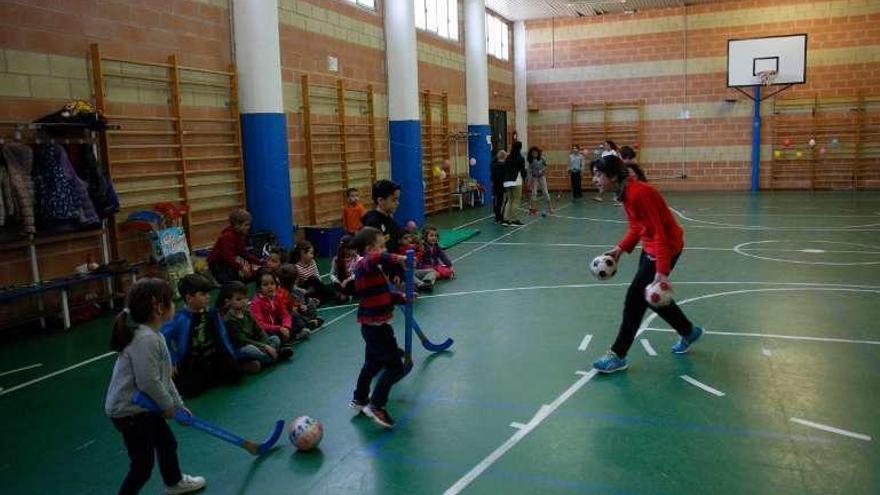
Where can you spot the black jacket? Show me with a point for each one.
(515, 164)
(386, 224)
(497, 174)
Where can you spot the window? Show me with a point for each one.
(438, 16)
(367, 4)
(497, 37)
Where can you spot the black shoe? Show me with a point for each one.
(358, 405)
(285, 353)
(516, 222)
(379, 415)
(301, 335)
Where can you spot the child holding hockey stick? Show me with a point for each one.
(144, 364)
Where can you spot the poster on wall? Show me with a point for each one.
(171, 251)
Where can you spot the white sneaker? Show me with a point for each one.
(186, 484)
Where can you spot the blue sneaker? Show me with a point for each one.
(609, 363)
(684, 343)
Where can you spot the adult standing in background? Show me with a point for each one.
(497, 176)
(514, 176)
(576, 171)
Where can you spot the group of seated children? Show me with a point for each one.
(431, 262)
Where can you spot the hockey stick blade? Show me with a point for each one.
(427, 343)
(145, 401)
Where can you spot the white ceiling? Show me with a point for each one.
(521, 10)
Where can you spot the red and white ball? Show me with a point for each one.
(305, 433)
(603, 267)
(658, 294)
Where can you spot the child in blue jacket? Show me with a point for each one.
(202, 355)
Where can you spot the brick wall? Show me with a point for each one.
(43, 64)
(644, 56)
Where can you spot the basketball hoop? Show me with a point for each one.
(766, 77)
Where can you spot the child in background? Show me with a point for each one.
(608, 148)
(353, 211)
(308, 277)
(342, 268)
(433, 256)
(269, 309)
(375, 311)
(628, 155)
(537, 167)
(143, 364)
(276, 259)
(425, 278)
(229, 259)
(302, 309)
(249, 340)
(201, 351)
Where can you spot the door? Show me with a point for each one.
(498, 129)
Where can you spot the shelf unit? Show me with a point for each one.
(339, 130)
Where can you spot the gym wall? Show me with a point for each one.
(676, 60)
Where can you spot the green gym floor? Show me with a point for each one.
(786, 284)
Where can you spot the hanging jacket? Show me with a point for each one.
(5, 193)
(88, 168)
(19, 163)
(61, 196)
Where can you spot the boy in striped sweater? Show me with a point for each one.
(375, 313)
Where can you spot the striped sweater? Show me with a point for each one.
(371, 286)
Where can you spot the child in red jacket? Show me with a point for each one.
(269, 309)
(229, 259)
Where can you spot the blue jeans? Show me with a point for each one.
(252, 352)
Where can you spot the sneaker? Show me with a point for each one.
(610, 362)
(250, 367)
(516, 222)
(358, 405)
(505, 223)
(379, 415)
(684, 343)
(285, 353)
(598, 199)
(301, 335)
(313, 324)
(186, 484)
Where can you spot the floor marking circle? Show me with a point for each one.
(740, 249)
(723, 225)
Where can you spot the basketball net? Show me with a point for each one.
(766, 77)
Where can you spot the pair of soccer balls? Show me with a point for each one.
(657, 294)
(305, 433)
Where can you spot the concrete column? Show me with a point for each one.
(477, 82)
(263, 123)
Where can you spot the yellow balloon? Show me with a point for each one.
(799, 154)
(437, 171)
(777, 154)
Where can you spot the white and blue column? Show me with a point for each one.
(477, 83)
(520, 83)
(404, 127)
(263, 123)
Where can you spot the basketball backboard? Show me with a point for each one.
(748, 58)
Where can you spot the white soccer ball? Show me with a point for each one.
(658, 294)
(603, 267)
(305, 433)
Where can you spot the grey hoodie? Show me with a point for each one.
(143, 365)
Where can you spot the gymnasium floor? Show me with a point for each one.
(786, 284)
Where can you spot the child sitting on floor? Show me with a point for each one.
(248, 339)
(308, 276)
(302, 309)
(342, 269)
(269, 309)
(201, 351)
(229, 259)
(425, 278)
(433, 256)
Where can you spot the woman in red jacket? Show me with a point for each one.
(652, 223)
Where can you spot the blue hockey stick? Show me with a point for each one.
(411, 323)
(145, 401)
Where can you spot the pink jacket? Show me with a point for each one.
(270, 314)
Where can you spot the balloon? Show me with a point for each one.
(446, 164)
(777, 154)
(799, 154)
(812, 142)
(786, 142)
(472, 161)
(437, 171)
(822, 150)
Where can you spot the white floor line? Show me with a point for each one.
(518, 426)
(502, 236)
(472, 222)
(55, 373)
(648, 347)
(334, 320)
(810, 286)
(686, 248)
(778, 336)
(540, 416)
(713, 391)
(721, 225)
(24, 368)
(831, 429)
(585, 342)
